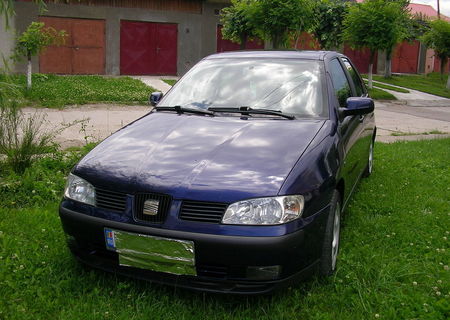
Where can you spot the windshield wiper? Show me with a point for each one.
(248, 110)
(180, 109)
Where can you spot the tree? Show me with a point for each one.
(438, 38)
(34, 40)
(403, 24)
(238, 21)
(330, 17)
(376, 25)
(418, 26)
(276, 19)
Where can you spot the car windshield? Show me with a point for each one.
(287, 85)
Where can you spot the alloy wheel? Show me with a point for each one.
(336, 234)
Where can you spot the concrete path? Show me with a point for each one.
(413, 95)
(96, 122)
(412, 123)
(412, 117)
(156, 82)
(90, 123)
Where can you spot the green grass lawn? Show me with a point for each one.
(379, 94)
(58, 91)
(170, 82)
(431, 83)
(394, 259)
(385, 86)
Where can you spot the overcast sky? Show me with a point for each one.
(443, 4)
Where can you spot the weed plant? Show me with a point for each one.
(40, 183)
(22, 138)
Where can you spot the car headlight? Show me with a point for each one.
(79, 190)
(265, 211)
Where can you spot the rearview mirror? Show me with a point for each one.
(357, 106)
(155, 97)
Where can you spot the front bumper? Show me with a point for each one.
(221, 261)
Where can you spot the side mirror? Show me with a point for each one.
(155, 97)
(357, 106)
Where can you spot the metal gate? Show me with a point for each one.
(148, 48)
(405, 57)
(83, 51)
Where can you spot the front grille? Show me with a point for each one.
(212, 271)
(202, 211)
(155, 210)
(110, 200)
(221, 272)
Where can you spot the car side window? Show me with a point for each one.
(340, 82)
(356, 79)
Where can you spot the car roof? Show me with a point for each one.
(276, 54)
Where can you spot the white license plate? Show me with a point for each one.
(152, 253)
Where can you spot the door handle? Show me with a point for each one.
(157, 50)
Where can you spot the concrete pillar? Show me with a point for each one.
(422, 58)
(7, 42)
(381, 62)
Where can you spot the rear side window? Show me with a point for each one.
(340, 83)
(356, 79)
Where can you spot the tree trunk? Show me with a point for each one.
(372, 56)
(296, 41)
(442, 68)
(29, 72)
(277, 41)
(388, 65)
(243, 42)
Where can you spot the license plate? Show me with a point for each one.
(152, 253)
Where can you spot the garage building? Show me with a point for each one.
(128, 37)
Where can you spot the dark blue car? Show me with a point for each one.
(235, 181)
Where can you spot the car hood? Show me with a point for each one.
(196, 157)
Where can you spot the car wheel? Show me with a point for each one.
(369, 167)
(331, 241)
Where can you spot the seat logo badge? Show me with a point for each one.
(151, 207)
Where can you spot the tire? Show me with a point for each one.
(331, 241)
(369, 168)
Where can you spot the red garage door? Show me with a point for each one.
(227, 45)
(148, 48)
(83, 51)
(406, 57)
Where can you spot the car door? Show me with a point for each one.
(348, 128)
(366, 121)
